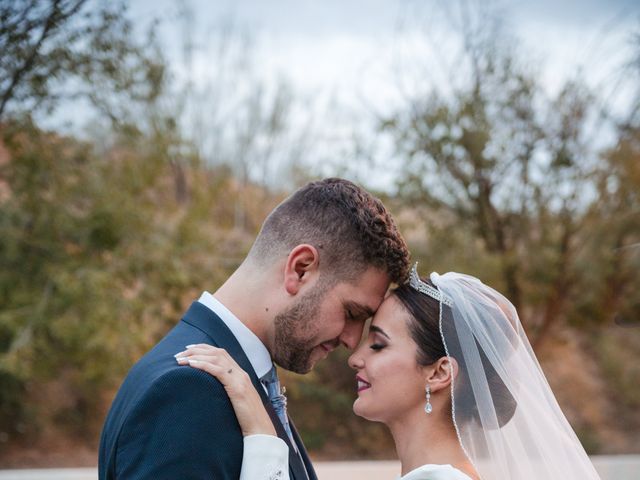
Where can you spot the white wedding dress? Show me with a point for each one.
(435, 472)
(266, 457)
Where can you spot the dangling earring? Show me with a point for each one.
(428, 408)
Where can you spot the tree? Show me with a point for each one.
(97, 260)
(64, 208)
(232, 114)
(104, 241)
(497, 168)
(60, 49)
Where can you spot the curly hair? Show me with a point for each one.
(351, 229)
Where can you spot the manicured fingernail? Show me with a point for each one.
(179, 354)
(181, 359)
(189, 346)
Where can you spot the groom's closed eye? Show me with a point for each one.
(357, 312)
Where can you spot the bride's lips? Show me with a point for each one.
(362, 384)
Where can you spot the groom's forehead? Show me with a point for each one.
(359, 310)
(363, 295)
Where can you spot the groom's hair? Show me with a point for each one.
(351, 229)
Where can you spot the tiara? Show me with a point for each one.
(419, 285)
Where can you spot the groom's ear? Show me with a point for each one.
(441, 373)
(301, 268)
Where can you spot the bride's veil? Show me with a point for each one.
(506, 416)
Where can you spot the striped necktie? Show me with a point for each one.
(278, 400)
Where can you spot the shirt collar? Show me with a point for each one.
(255, 350)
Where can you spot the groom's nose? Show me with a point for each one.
(351, 335)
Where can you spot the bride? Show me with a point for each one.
(448, 368)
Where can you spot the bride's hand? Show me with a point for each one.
(251, 414)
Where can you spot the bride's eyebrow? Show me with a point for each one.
(375, 328)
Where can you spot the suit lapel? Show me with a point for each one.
(205, 320)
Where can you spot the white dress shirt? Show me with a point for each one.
(255, 350)
(265, 456)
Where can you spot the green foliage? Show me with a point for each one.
(613, 348)
(97, 261)
(85, 226)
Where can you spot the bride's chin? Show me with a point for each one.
(359, 411)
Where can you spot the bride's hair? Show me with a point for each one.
(424, 329)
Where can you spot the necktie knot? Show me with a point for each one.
(276, 395)
(270, 377)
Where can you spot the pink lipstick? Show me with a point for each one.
(362, 384)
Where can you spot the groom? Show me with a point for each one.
(318, 269)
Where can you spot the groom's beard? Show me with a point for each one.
(296, 333)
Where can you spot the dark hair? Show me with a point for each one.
(351, 229)
(424, 328)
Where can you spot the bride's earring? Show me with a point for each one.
(428, 408)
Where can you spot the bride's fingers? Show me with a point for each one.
(220, 354)
(224, 354)
(206, 358)
(219, 362)
(199, 349)
(217, 371)
(201, 346)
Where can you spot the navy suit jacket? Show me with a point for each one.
(175, 422)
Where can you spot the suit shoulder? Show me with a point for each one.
(181, 398)
(184, 426)
(149, 390)
(181, 379)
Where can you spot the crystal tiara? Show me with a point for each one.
(419, 285)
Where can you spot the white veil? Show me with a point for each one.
(507, 418)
